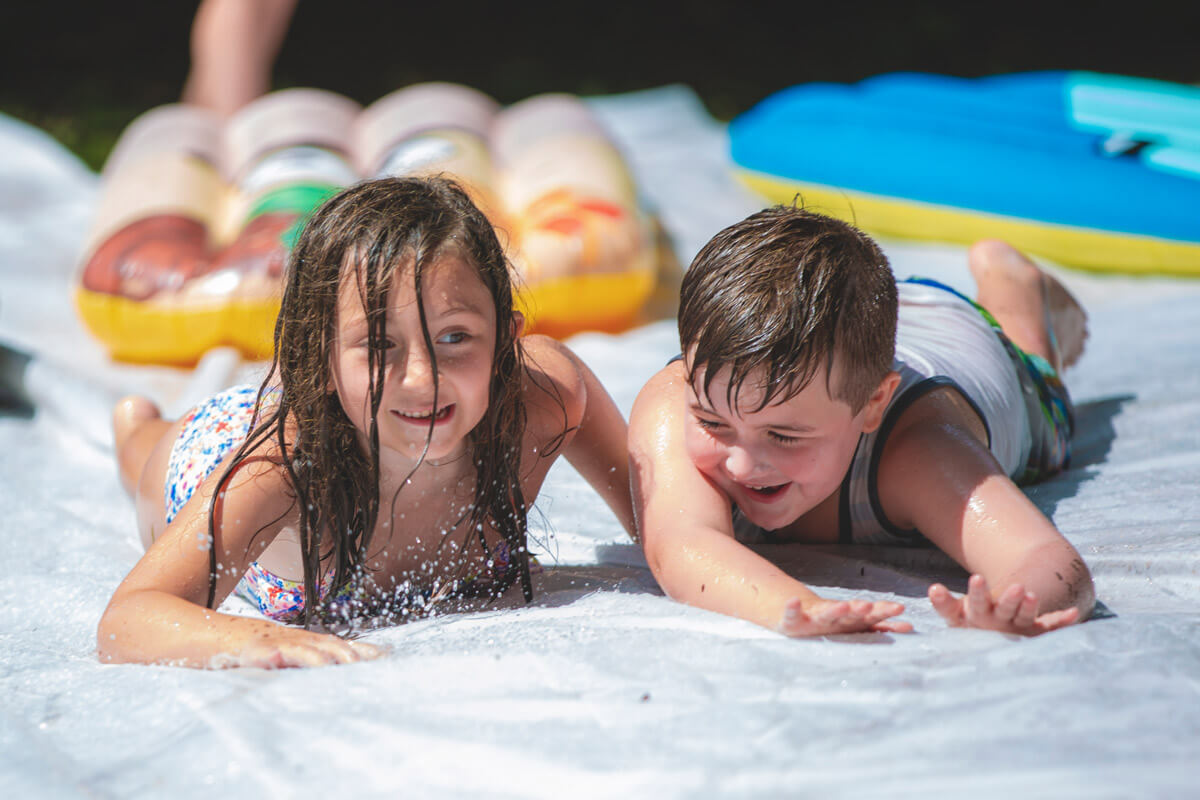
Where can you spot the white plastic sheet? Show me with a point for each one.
(603, 687)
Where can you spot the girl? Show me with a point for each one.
(387, 462)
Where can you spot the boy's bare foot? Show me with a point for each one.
(1034, 309)
(133, 438)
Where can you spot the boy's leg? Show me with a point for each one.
(1035, 311)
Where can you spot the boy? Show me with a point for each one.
(816, 401)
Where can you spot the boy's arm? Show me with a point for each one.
(686, 530)
(937, 477)
(157, 614)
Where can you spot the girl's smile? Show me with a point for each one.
(421, 418)
(460, 322)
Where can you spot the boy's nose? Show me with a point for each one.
(740, 463)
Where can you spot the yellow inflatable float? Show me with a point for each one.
(196, 216)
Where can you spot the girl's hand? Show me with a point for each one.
(824, 617)
(1014, 611)
(290, 647)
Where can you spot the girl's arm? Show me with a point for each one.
(937, 477)
(687, 532)
(596, 431)
(598, 449)
(157, 614)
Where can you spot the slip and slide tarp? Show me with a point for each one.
(603, 687)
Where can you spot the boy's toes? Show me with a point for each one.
(1067, 319)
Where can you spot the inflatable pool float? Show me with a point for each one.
(196, 216)
(1094, 171)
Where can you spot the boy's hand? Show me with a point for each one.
(823, 617)
(1014, 611)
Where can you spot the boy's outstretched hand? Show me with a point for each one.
(1014, 611)
(824, 617)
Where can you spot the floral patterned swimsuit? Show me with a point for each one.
(209, 432)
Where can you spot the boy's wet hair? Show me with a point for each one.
(379, 229)
(783, 293)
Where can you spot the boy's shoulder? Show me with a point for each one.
(661, 397)
(935, 441)
(669, 383)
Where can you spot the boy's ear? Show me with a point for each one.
(878, 402)
(518, 324)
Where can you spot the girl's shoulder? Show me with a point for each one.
(554, 383)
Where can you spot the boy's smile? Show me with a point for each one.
(779, 462)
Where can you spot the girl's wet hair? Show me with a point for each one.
(783, 294)
(379, 228)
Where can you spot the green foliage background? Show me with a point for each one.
(82, 71)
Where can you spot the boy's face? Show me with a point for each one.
(778, 463)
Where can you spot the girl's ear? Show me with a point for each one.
(878, 402)
(518, 324)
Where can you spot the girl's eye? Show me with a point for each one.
(365, 344)
(457, 337)
(707, 424)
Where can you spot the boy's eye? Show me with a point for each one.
(784, 440)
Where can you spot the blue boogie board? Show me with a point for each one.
(1094, 171)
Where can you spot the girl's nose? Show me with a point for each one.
(418, 371)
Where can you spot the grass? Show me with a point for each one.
(83, 71)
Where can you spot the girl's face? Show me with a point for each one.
(461, 318)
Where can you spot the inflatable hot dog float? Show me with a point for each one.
(196, 216)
